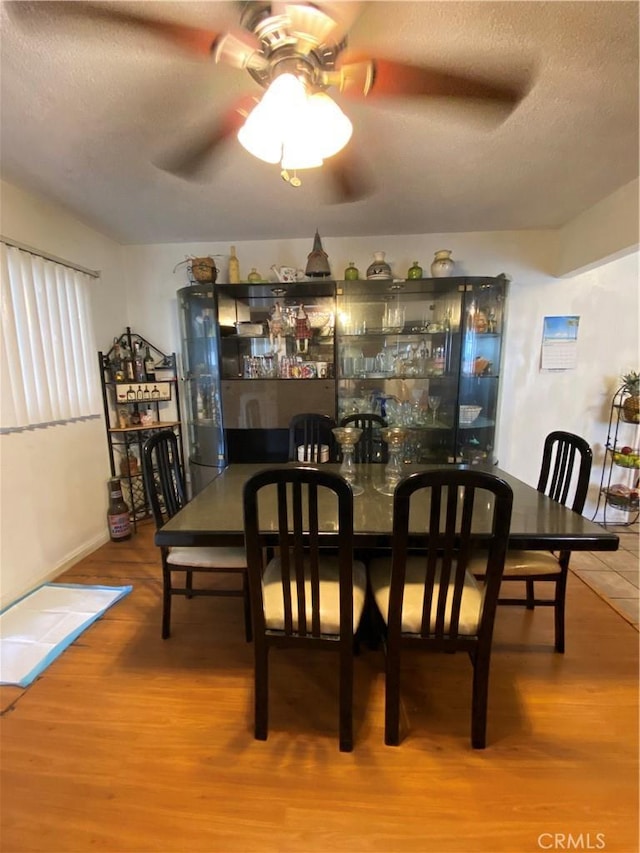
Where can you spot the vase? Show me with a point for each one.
(379, 268)
(442, 264)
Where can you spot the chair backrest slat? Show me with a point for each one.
(558, 477)
(162, 474)
(450, 496)
(300, 490)
(310, 431)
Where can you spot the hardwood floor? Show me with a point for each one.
(131, 743)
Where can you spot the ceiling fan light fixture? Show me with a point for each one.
(331, 127)
(240, 49)
(293, 128)
(267, 125)
(310, 25)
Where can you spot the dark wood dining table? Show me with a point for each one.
(215, 516)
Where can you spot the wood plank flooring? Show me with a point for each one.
(131, 743)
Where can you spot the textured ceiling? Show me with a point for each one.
(86, 108)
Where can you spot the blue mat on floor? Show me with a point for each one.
(37, 628)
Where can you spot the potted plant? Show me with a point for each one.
(631, 403)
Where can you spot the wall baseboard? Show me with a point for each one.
(73, 558)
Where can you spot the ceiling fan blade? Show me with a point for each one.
(188, 159)
(386, 78)
(194, 40)
(351, 180)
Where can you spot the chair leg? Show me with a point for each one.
(558, 611)
(479, 700)
(189, 583)
(261, 689)
(530, 595)
(346, 701)
(248, 629)
(392, 698)
(166, 603)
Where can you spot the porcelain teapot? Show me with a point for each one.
(287, 273)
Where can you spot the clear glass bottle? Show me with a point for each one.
(234, 267)
(118, 513)
(254, 276)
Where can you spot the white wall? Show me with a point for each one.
(61, 472)
(53, 493)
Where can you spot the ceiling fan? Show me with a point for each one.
(297, 52)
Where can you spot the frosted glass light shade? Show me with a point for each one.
(331, 126)
(293, 128)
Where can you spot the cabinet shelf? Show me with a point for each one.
(141, 427)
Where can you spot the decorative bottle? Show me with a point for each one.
(234, 267)
(117, 371)
(442, 264)
(149, 366)
(254, 276)
(351, 273)
(118, 513)
(379, 268)
(415, 271)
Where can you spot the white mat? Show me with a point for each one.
(36, 629)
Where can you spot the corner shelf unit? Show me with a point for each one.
(129, 386)
(620, 480)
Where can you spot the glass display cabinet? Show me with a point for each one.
(424, 354)
(276, 361)
(200, 352)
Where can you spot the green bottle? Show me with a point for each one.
(351, 273)
(415, 271)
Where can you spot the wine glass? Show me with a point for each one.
(347, 438)
(434, 403)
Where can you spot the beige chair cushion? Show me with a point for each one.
(208, 558)
(521, 563)
(470, 606)
(329, 595)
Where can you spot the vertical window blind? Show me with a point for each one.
(48, 356)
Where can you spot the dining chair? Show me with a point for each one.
(164, 485)
(370, 447)
(309, 432)
(564, 477)
(428, 599)
(306, 596)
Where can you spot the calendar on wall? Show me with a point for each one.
(559, 343)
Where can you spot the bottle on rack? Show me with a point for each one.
(234, 267)
(149, 366)
(117, 372)
(127, 363)
(118, 513)
(138, 363)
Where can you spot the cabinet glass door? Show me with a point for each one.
(277, 360)
(199, 329)
(480, 374)
(398, 353)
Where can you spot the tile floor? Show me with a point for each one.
(614, 575)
